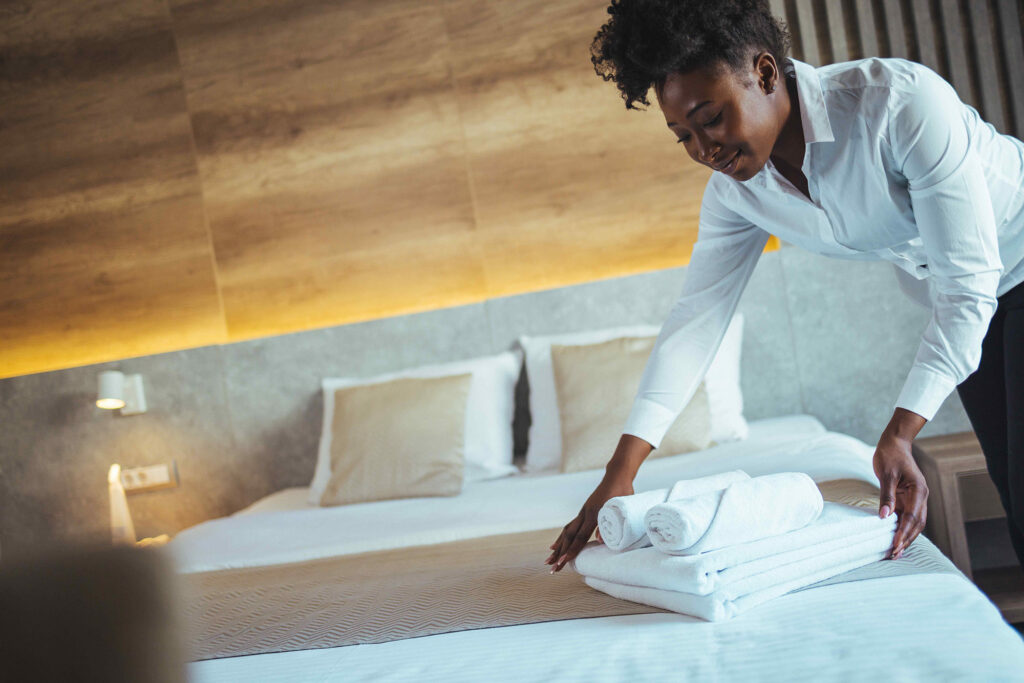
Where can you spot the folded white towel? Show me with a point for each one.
(836, 527)
(745, 511)
(621, 519)
(740, 596)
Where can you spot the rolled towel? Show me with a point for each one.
(745, 511)
(729, 601)
(836, 527)
(621, 519)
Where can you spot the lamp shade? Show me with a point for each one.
(111, 390)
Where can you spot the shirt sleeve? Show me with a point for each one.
(932, 147)
(727, 250)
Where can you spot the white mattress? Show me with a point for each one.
(912, 627)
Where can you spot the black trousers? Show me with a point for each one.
(993, 397)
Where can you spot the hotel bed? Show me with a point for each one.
(916, 618)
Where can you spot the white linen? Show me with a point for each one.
(836, 527)
(621, 519)
(489, 412)
(744, 511)
(722, 381)
(736, 598)
(898, 169)
(841, 631)
(508, 504)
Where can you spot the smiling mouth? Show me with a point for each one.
(730, 166)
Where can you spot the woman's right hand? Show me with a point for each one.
(576, 533)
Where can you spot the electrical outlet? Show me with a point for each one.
(138, 479)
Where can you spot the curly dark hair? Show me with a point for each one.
(646, 40)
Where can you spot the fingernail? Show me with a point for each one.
(885, 511)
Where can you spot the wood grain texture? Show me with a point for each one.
(183, 173)
(104, 252)
(178, 173)
(332, 160)
(569, 185)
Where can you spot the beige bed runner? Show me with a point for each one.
(385, 595)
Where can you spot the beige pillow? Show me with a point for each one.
(596, 385)
(398, 439)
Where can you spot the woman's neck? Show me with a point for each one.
(790, 146)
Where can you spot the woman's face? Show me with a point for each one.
(716, 116)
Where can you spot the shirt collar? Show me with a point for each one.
(813, 112)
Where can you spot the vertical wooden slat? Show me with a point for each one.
(956, 50)
(988, 73)
(894, 29)
(924, 31)
(1013, 49)
(808, 34)
(866, 29)
(984, 65)
(778, 10)
(837, 31)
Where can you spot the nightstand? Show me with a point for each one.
(961, 492)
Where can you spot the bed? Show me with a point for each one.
(916, 618)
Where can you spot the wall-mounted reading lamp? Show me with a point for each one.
(118, 390)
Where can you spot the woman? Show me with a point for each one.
(867, 159)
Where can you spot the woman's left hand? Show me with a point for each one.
(903, 490)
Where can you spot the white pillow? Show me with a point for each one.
(722, 381)
(489, 413)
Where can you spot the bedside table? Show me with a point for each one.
(960, 491)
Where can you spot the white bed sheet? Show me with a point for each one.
(283, 528)
(916, 627)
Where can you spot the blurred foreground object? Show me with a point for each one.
(91, 614)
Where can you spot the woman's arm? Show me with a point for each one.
(932, 149)
(727, 250)
(952, 208)
(628, 455)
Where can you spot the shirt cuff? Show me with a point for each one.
(924, 391)
(649, 421)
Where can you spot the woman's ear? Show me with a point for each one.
(767, 72)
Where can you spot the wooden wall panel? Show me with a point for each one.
(103, 249)
(191, 172)
(569, 185)
(332, 160)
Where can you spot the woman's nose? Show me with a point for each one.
(706, 151)
(711, 158)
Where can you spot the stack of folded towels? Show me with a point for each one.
(716, 546)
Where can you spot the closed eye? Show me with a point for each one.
(710, 123)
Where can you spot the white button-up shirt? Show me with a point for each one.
(898, 168)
